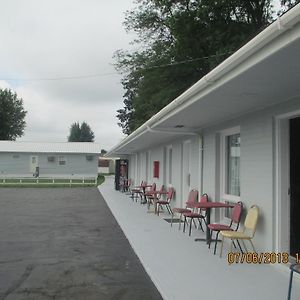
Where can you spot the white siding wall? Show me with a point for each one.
(257, 166)
(157, 154)
(75, 164)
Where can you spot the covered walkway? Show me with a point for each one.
(184, 269)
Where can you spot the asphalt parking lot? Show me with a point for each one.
(64, 243)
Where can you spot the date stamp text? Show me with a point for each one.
(258, 258)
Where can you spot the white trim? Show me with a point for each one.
(185, 177)
(223, 135)
(200, 169)
(136, 179)
(169, 165)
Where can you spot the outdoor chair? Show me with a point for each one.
(128, 186)
(153, 196)
(293, 268)
(200, 215)
(192, 199)
(233, 226)
(159, 203)
(135, 191)
(149, 195)
(247, 233)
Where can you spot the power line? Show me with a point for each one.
(89, 76)
(60, 78)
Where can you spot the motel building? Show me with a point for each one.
(235, 135)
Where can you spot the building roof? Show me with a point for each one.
(39, 147)
(262, 73)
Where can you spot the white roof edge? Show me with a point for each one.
(50, 147)
(277, 28)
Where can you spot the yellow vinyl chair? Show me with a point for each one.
(248, 231)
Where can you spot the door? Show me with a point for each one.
(186, 169)
(34, 163)
(294, 186)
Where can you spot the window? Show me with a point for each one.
(89, 157)
(16, 156)
(61, 160)
(51, 159)
(230, 164)
(233, 144)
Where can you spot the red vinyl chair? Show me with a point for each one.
(136, 191)
(193, 197)
(159, 203)
(234, 223)
(149, 195)
(200, 215)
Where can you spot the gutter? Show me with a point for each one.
(208, 82)
(170, 131)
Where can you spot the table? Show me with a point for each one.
(208, 206)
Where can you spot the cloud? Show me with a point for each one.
(64, 38)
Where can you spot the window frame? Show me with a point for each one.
(62, 160)
(224, 163)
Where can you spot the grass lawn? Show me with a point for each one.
(45, 182)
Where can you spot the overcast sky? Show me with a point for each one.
(64, 38)
(52, 39)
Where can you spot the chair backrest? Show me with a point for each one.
(162, 189)
(203, 199)
(153, 187)
(170, 194)
(251, 219)
(193, 197)
(237, 212)
(144, 183)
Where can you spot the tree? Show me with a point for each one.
(12, 115)
(103, 152)
(182, 40)
(86, 134)
(81, 133)
(74, 133)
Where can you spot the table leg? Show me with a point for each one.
(207, 239)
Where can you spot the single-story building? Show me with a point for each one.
(28, 159)
(234, 135)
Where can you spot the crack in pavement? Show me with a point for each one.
(19, 282)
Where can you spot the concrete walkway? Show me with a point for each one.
(184, 269)
(64, 244)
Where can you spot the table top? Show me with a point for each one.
(212, 205)
(156, 192)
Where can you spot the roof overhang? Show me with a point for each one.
(46, 147)
(262, 73)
